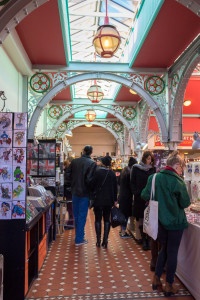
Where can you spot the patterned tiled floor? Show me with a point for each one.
(90, 273)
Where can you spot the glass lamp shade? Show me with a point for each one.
(88, 125)
(95, 93)
(132, 92)
(106, 40)
(187, 102)
(90, 115)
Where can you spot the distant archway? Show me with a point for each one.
(103, 76)
(104, 126)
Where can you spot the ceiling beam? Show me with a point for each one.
(98, 67)
(86, 101)
(97, 119)
(102, 14)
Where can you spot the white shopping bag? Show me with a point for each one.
(150, 224)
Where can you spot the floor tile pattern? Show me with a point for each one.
(90, 273)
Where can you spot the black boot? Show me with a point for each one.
(98, 233)
(143, 235)
(148, 242)
(106, 233)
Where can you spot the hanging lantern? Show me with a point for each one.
(90, 115)
(107, 39)
(95, 93)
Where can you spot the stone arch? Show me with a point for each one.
(175, 130)
(97, 107)
(103, 76)
(104, 126)
(14, 12)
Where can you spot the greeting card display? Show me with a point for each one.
(19, 190)
(6, 191)
(19, 156)
(6, 156)
(20, 121)
(5, 173)
(5, 138)
(19, 173)
(19, 138)
(18, 210)
(188, 171)
(5, 210)
(5, 121)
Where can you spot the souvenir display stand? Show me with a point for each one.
(40, 226)
(188, 268)
(13, 142)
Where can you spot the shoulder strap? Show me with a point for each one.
(153, 187)
(104, 180)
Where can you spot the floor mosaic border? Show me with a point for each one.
(115, 296)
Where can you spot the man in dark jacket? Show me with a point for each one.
(80, 173)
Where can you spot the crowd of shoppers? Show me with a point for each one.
(88, 179)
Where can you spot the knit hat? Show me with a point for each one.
(132, 161)
(106, 160)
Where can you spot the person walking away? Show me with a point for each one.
(80, 173)
(105, 189)
(125, 196)
(139, 176)
(172, 196)
(68, 196)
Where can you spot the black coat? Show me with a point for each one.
(80, 173)
(106, 194)
(138, 182)
(125, 194)
(67, 186)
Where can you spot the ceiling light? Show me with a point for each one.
(187, 102)
(95, 93)
(107, 39)
(132, 92)
(88, 125)
(68, 133)
(90, 115)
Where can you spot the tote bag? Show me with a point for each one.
(117, 217)
(150, 224)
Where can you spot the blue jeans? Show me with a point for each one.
(80, 210)
(170, 241)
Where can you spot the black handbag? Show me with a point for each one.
(117, 217)
(94, 195)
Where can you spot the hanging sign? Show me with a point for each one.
(187, 141)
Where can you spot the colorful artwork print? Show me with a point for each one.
(5, 121)
(19, 138)
(19, 173)
(6, 138)
(5, 173)
(5, 156)
(19, 156)
(47, 150)
(18, 210)
(47, 167)
(6, 191)
(32, 151)
(5, 210)
(20, 121)
(18, 191)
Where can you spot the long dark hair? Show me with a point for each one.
(147, 154)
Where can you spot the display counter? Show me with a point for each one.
(188, 268)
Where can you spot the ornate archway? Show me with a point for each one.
(175, 130)
(99, 107)
(101, 125)
(104, 76)
(13, 13)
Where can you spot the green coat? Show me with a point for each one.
(172, 195)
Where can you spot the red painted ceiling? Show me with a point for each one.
(41, 35)
(173, 30)
(64, 95)
(125, 95)
(192, 93)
